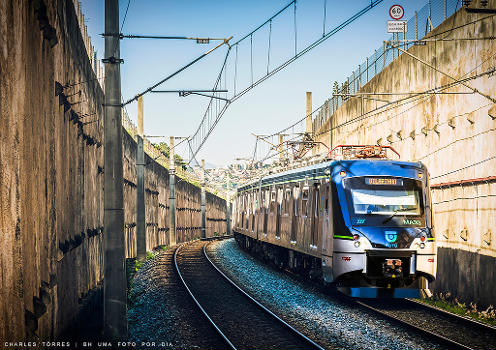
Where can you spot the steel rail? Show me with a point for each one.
(460, 317)
(452, 344)
(310, 341)
(198, 304)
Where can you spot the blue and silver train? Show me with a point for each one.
(362, 223)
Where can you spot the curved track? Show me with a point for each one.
(242, 321)
(455, 331)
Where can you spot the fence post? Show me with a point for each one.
(375, 62)
(354, 84)
(416, 25)
(383, 54)
(359, 77)
(367, 74)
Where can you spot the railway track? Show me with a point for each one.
(174, 314)
(456, 332)
(242, 322)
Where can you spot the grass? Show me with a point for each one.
(133, 294)
(451, 304)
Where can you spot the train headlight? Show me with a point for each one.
(422, 245)
(356, 237)
(420, 175)
(422, 238)
(357, 244)
(342, 173)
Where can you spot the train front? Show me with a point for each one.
(383, 242)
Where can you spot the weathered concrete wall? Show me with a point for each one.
(51, 191)
(453, 134)
(188, 204)
(51, 182)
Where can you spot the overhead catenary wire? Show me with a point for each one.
(176, 72)
(199, 138)
(125, 15)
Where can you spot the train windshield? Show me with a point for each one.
(385, 201)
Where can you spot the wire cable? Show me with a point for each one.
(125, 15)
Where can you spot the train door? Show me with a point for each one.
(314, 216)
(326, 233)
(294, 214)
(265, 209)
(280, 195)
(272, 211)
(242, 207)
(305, 210)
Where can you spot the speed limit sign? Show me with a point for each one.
(396, 12)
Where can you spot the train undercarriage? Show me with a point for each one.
(374, 284)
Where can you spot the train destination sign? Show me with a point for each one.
(383, 181)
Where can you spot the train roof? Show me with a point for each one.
(317, 170)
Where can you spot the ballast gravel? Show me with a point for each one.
(161, 314)
(332, 323)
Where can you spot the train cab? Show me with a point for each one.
(383, 241)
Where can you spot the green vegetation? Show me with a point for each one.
(165, 150)
(132, 292)
(450, 304)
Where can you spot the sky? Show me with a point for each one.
(277, 102)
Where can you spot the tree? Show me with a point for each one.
(163, 148)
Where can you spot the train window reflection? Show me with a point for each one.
(385, 202)
(304, 201)
(305, 194)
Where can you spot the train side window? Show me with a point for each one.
(273, 196)
(296, 198)
(326, 193)
(304, 201)
(317, 202)
(287, 200)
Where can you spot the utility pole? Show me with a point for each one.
(114, 290)
(140, 187)
(308, 128)
(281, 147)
(172, 194)
(228, 206)
(203, 202)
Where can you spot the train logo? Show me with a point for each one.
(391, 236)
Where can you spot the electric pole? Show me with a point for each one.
(172, 194)
(114, 290)
(203, 202)
(140, 187)
(228, 206)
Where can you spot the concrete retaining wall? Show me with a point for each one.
(453, 134)
(51, 179)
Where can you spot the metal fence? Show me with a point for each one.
(423, 22)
